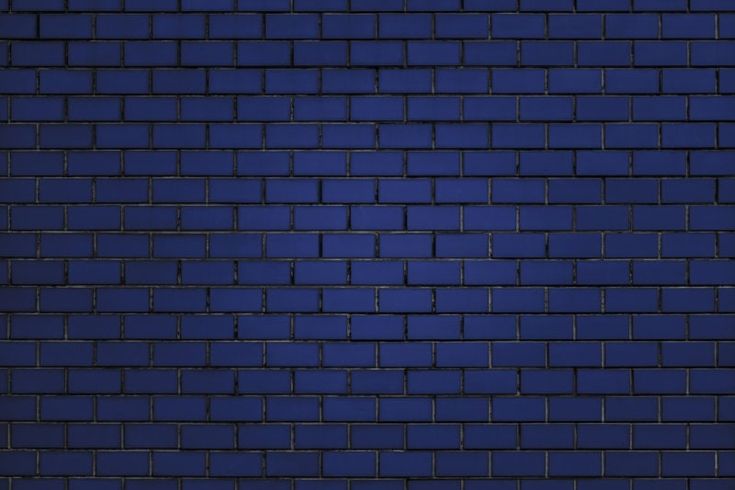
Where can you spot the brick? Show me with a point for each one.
(296, 26)
(631, 26)
(720, 53)
(517, 464)
(696, 26)
(349, 26)
(489, 52)
(322, 53)
(263, 53)
(376, 53)
(246, 26)
(433, 52)
(626, 81)
(461, 26)
(404, 26)
(552, 53)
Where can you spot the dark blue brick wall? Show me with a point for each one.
(367, 244)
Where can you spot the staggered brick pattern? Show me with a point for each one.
(367, 244)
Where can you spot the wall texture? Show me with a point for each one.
(367, 244)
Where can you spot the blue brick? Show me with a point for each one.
(433, 52)
(19, 190)
(405, 245)
(320, 217)
(688, 134)
(425, 163)
(666, 53)
(150, 53)
(68, 136)
(404, 81)
(501, 53)
(376, 108)
(659, 108)
(624, 81)
(350, 464)
(421, 436)
(696, 26)
(552, 53)
(349, 136)
(518, 26)
(565, 136)
(688, 81)
(535, 5)
(376, 53)
(461, 246)
(349, 409)
(228, 464)
(511, 81)
(298, 26)
(405, 136)
(117, 26)
(20, 26)
(607, 53)
(69, 26)
(543, 163)
(464, 136)
(37, 53)
(343, 81)
(350, 26)
(546, 108)
(404, 464)
(136, 5)
(271, 436)
(433, 5)
(433, 218)
(653, 163)
(178, 26)
(658, 217)
(712, 53)
(543, 218)
(246, 26)
(492, 108)
(405, 26)
(262, 381)
(382, 218)
(542, 436)
(18, 81)
(376, 436)
(94, 110)
(517, 464)
(631, 26)
(327, 53)
(65, 408)
(433, 109)
(703, 108)
(461, 26)
(358, 246)
(275, 6)
(259, 53)
(567, 26)
(518, 136)
(204, 110)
